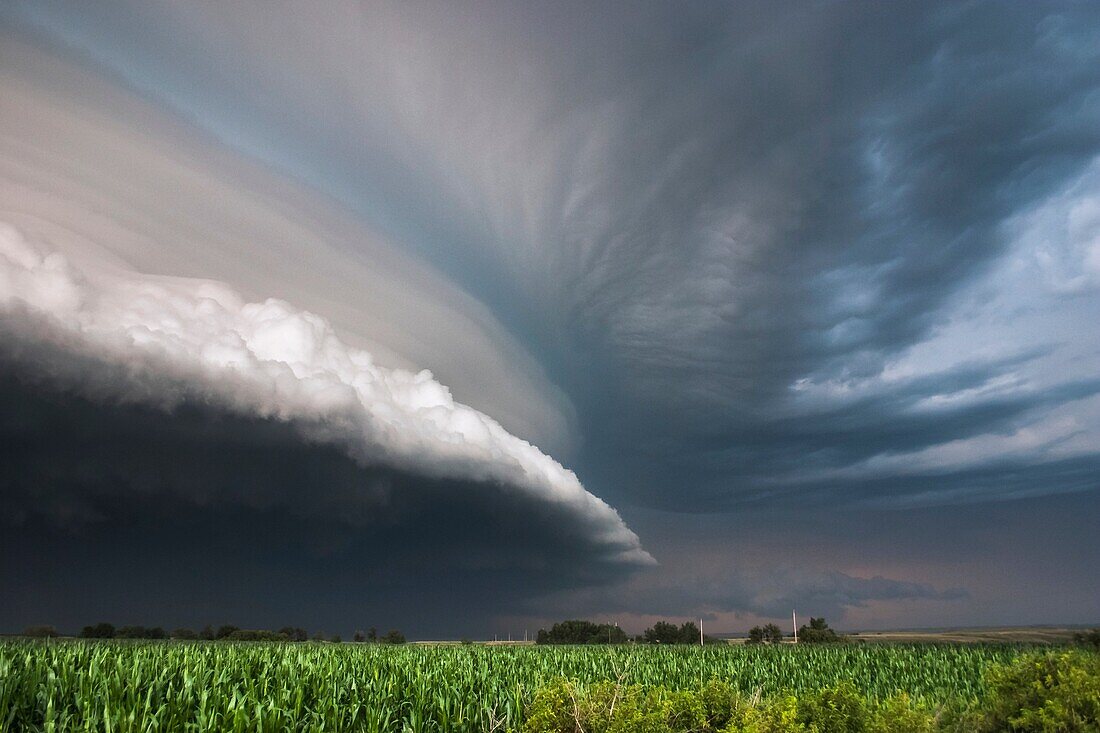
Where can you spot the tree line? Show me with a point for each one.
(578, 631)
(226, 632)
(817, 632)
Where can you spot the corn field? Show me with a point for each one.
(193, 686)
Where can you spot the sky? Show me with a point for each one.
(461, 318)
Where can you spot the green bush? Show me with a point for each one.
(841, 709)
(1057, 691)
(898, 713)
(607, 707)
(1054, 692)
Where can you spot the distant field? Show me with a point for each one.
(153, 686)
(991, 635)
(1017, 635)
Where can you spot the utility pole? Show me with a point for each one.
(794, 624)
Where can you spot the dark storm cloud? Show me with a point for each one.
(236, 519)
(120, 336)
(686, 591)
(1012, 562)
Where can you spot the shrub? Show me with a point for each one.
(1057, 691)
(607, 707)
(721, 704)
(898, 713)
(839, 708)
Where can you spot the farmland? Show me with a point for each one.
(153, 686)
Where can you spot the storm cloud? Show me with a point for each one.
(123, 337)
(720, 260)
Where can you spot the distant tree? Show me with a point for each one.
(336, 639)
(689, 633)
(664, 632)
(359, 636)
(99, 631)
(182, 633)
(43, 631)
(130, 632)
(155, 633)
(320, 636)
(372, 634)
(226, 631)
(818, 632)
(572, 631)
(207, 633)
(294, 633)
(770, 634)
(576, 631)
(393, 636)
(661, 632)
(256, 635)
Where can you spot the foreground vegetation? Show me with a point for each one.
(168, 686)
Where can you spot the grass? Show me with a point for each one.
(162, 686)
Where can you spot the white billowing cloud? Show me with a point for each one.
(99, 173)
(273, 360)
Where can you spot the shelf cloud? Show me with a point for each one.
(124, 337)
